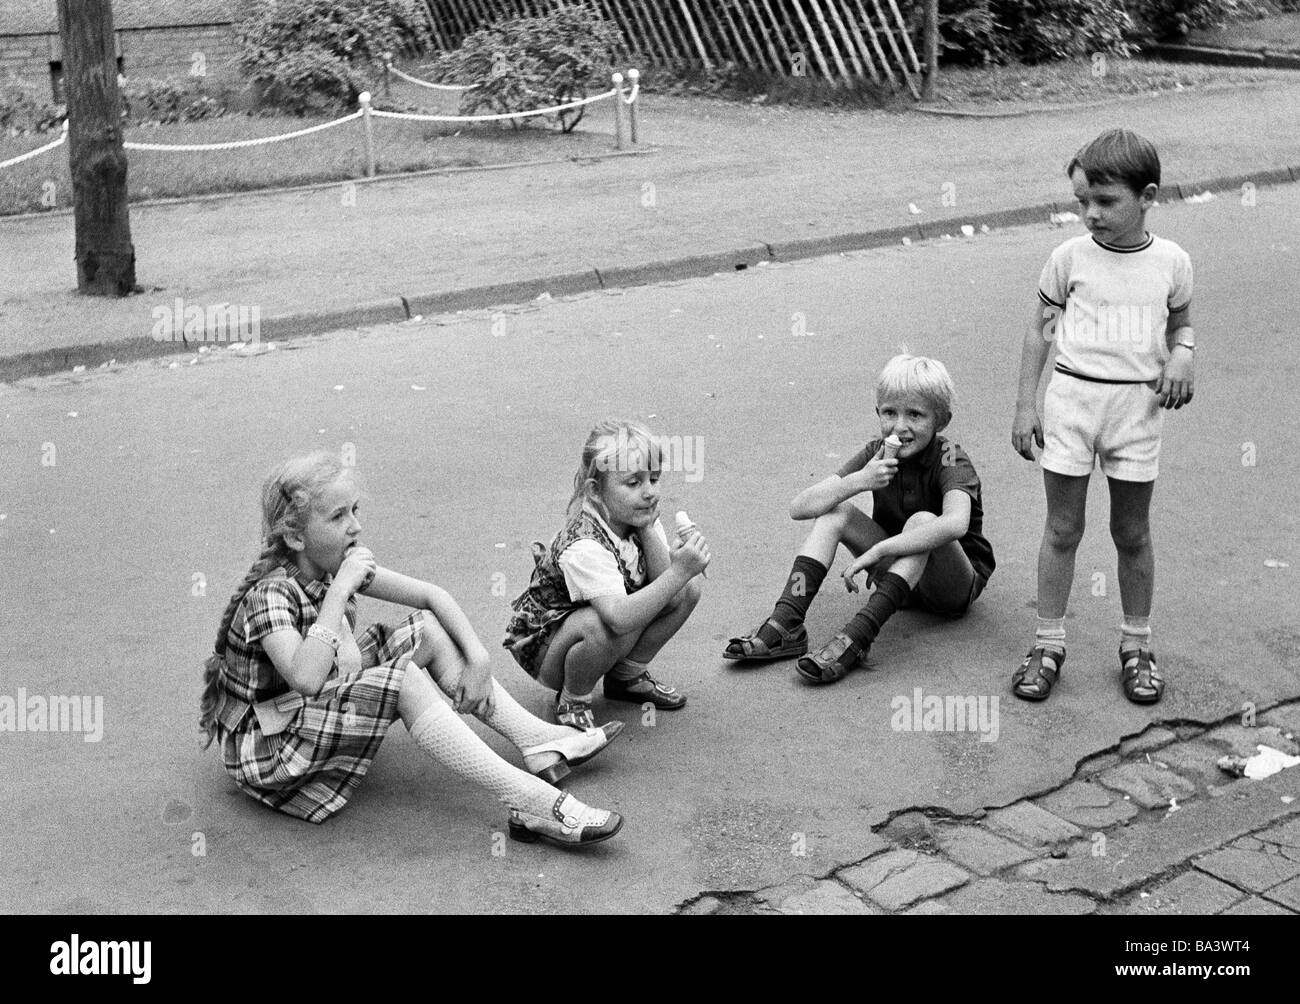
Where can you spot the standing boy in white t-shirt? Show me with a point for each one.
(1117, 303)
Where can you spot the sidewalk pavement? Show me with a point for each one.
(724, 186)
(1150, 827)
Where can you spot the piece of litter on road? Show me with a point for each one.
(78, 369)
(1060, 219)
(1275, 563)
(320, 432)
(911, 208)
(416, 386)
(1265, 763)
(498, 545)
(338, 386)
(72, 414)
(1286, 799)
(1203, 197)
(653, 414)
(194, 361)
(984, 228)
(203, 349)
(907, 240)
(947, 237)
(1144, 895)
(967, 230)
(4, 515)
(542, 297)
(172, 366)
(1173, 806)
(51, 529)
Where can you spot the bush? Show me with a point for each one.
(1031, 31)
(1065, 29)
(533, 62)
(23, 109)
(316, 55)
(163, 102)
(1171, 20)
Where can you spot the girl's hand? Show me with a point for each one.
(1174, 389)
(691, 556)
(357, 570)
(1026, 430)
(474, 692)
(880, 470)
(869, 559)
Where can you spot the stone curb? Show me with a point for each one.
(752, 254)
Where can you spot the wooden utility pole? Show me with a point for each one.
(931, 49)
(104, 252)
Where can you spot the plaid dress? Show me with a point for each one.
(542, 607)
(311, 763)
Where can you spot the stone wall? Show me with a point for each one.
(143, 52)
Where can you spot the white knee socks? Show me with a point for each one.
(441, 733)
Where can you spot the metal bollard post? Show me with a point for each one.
(370, 134)
(634, 76)
(620, 128)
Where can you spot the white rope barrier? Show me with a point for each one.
(39, 150)
(240, 143)
(495, 118)
(425, 83)
(367, 113)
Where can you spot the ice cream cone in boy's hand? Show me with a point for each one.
(891, 447)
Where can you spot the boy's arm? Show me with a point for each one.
(819, 499)
(1027, 427)
(1174, 389)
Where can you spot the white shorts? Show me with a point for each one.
(1117, 425)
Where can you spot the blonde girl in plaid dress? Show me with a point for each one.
(299, 705)
(610, 590)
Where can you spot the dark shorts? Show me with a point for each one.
(945, 606)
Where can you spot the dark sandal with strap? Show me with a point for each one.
(1045, 667)
(1140, 676)
(825, 665)
(751, 646)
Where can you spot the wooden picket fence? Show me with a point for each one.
(841, 41)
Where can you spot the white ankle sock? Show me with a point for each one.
(627, 669)
(1135, 633)
(1050, 633)
(568, 695)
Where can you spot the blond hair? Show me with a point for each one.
(609, 448)
(927, 378)
(287, 497)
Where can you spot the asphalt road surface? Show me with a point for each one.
(130, 511)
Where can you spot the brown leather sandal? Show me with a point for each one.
(1140, 676)
(1045, 667)
(794, 641)
(825, 665)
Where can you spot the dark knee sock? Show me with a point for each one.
(805, 579)
(891, 593)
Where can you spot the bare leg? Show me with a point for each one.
(667, 624)
(1067, 499)
(1130, 529)
(845, 524)
(581, 651)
